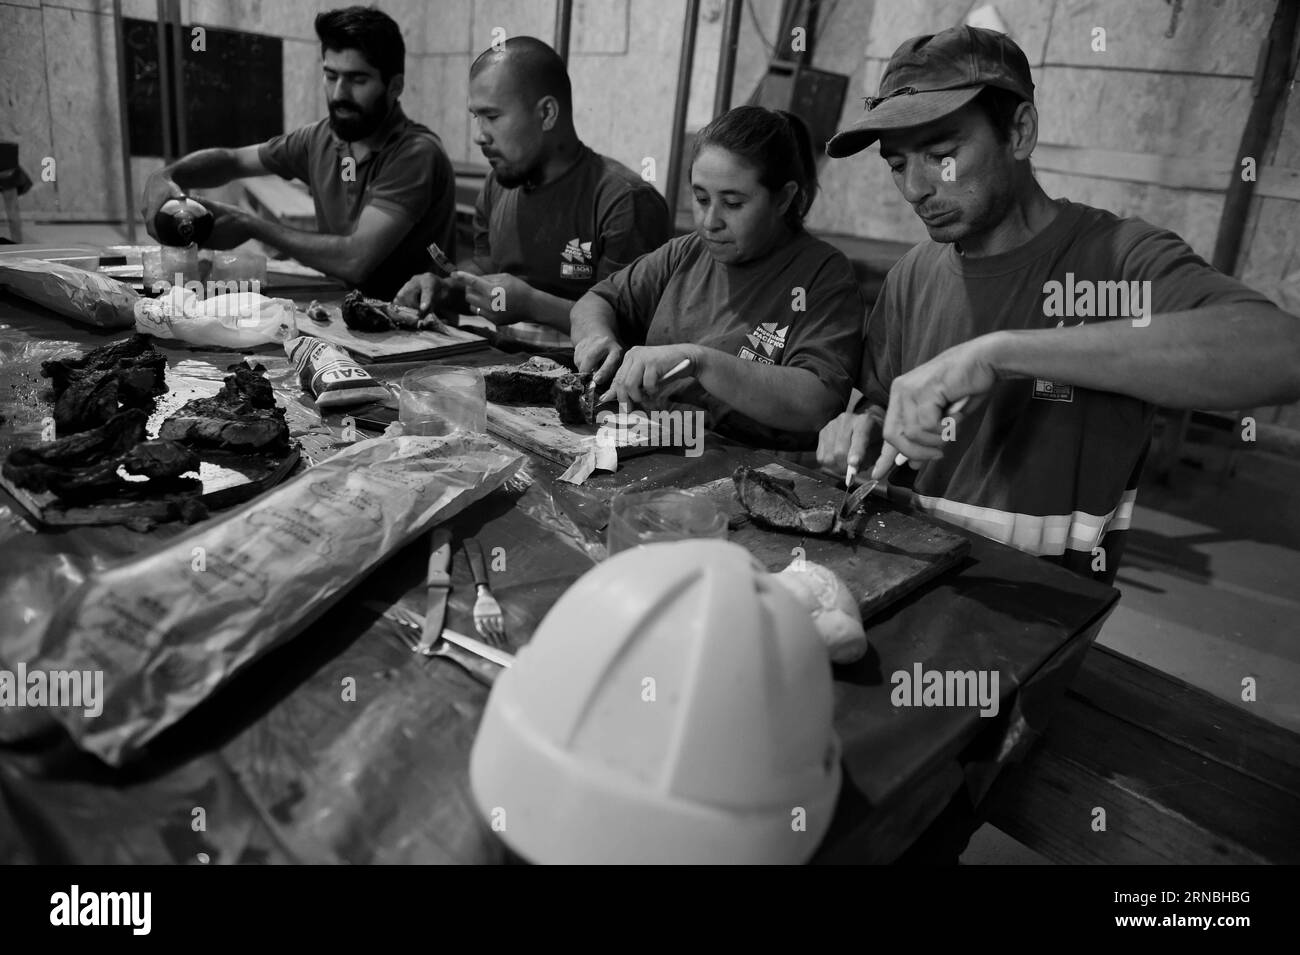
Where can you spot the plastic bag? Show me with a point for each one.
(89, 297)
(160, 632)
(228, 320)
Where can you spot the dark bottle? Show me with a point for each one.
(182, 222)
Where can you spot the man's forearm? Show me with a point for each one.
(1220, 357)
(334, 255)
(591, 317)
(204, 169)
(547, 309)
(793, 399)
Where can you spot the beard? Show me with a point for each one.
(358, 124)
(512, 177)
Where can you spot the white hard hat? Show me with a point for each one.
(674, 706)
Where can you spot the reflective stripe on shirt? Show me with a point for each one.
(1035, 534)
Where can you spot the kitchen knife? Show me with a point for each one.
(409, 618)
(899, 460)
(437, 584)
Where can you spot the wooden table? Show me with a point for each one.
(285, 770)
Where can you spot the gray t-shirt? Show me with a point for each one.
(409, 176)
(798, 306)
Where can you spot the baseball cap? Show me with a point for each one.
(931, 76)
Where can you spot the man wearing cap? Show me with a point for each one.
(1064, 325)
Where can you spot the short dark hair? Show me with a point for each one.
(1000, 107)
(539, 70)
(774, 142)
(370, 31)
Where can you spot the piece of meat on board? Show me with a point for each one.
(241, 418)
(772, 502)
(528, 383)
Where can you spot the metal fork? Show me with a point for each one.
(488, 619)
(409, 629)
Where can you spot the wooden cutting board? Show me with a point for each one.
(227, 480)
(539, 430)
(369, 347)
(896, 553)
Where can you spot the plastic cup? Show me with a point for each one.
(241, 267)
(440, 399)
(650, 517)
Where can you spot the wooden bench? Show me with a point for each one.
(1183, 776)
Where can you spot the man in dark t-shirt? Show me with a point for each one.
(553, 217)
(1065, 326)
(382, 185)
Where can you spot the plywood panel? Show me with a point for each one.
(288, 19)
(437, 91)
(304, 91)
(25, 102)
(1215, 38)
(1201, 116)
(1026, 22)
(623, 105)
(446, 26)
(599, 26)
(1272, 252)
(516, 17)
(81, 67)
(1192, 215)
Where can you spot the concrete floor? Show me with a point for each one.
(1211, 580)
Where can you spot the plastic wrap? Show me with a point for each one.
(227, 320)
(168, 627)
(88, 297)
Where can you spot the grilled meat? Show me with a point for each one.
(88, 389)
(362, 314)
(772, 502)
(574, 399)
(542, 381)
(33, 467)
(85, 466)
(242, 417)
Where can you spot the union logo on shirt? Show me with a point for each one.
(767, 339)
(576, 260)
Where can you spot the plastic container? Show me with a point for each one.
(440, 399)
(649, 517)
(246, 268)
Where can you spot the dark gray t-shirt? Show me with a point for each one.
(799, 306)
(566, 235)
(409, 175)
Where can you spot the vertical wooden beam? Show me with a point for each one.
(124, 125)
(180, 107)
(685, 66)
(164, 84)
(563, 22)
(727, 60)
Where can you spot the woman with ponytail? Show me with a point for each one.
(770, 318)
